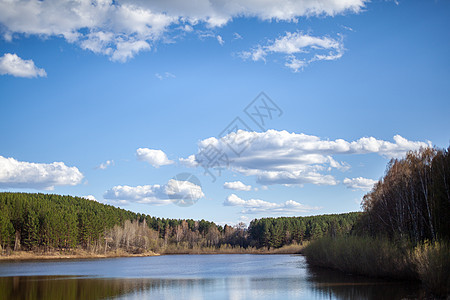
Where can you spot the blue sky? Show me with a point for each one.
(357, 83)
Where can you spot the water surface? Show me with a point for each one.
(191, 277)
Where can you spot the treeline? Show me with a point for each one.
(404, 230)
(46, 222)
(277, 232)
(31, 221)
(412, 200)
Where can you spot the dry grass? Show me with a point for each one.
(74, 254)
(290, 249)
(169, 249)
(432, 264)
(360, 255)
(382, 258)
(223, 249)
(228, 249)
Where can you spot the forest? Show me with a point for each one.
(404, 229)
(46, 222)
(412, 200)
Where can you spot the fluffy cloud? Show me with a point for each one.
(120, 29)
(189, 162)
(19, 174)
(89, 197)
(296, 44)
(11, 64)
(154, 157)
(174, 191)
(237, 186)
(181, 190)
(359, 183)
(220, 40)
(280, 157)
(256, 206)
(105, 165)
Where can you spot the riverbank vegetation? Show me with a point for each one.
(64, 225)
(404, 231)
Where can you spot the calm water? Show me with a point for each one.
(191, 277)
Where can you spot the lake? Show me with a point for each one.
(232, 276)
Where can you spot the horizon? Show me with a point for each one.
(124, 208)
(226, 114)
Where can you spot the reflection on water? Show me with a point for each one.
(70, 288)
(330, 284)
(193, 277)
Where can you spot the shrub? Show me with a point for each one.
(432, 264)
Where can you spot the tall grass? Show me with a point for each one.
(380, 257)
(360, 255)
(290, 249)
(183, 248)
(432, 264)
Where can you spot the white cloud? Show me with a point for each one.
(215, 13)
(280, 157)
(220, 40)
(256, 206)
(189, 162)
(120, 29)
(174, 190)
(359, 183)
(237, 186)
(19, 174)
(154, 157)
(89, 197)
(295, 45)
(244, 219)
(165, 75)
(237, 36)
(295, 64)
(127, 49)
(105, 165)
(187, 28)
(11, 64)
(180, 189)
(347, 28)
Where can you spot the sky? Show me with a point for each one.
(224, 111)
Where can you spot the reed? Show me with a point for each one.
(381, 257)
(360, 255)
(432, 264)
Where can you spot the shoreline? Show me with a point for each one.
(25, 255)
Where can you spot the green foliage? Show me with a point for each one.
(6, 228)
(277, 232)
(48, 222)
(53, 221)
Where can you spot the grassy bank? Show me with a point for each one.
(432, 265)
(228, 249)
(79, 253)
(73, 254)
(429, 263)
